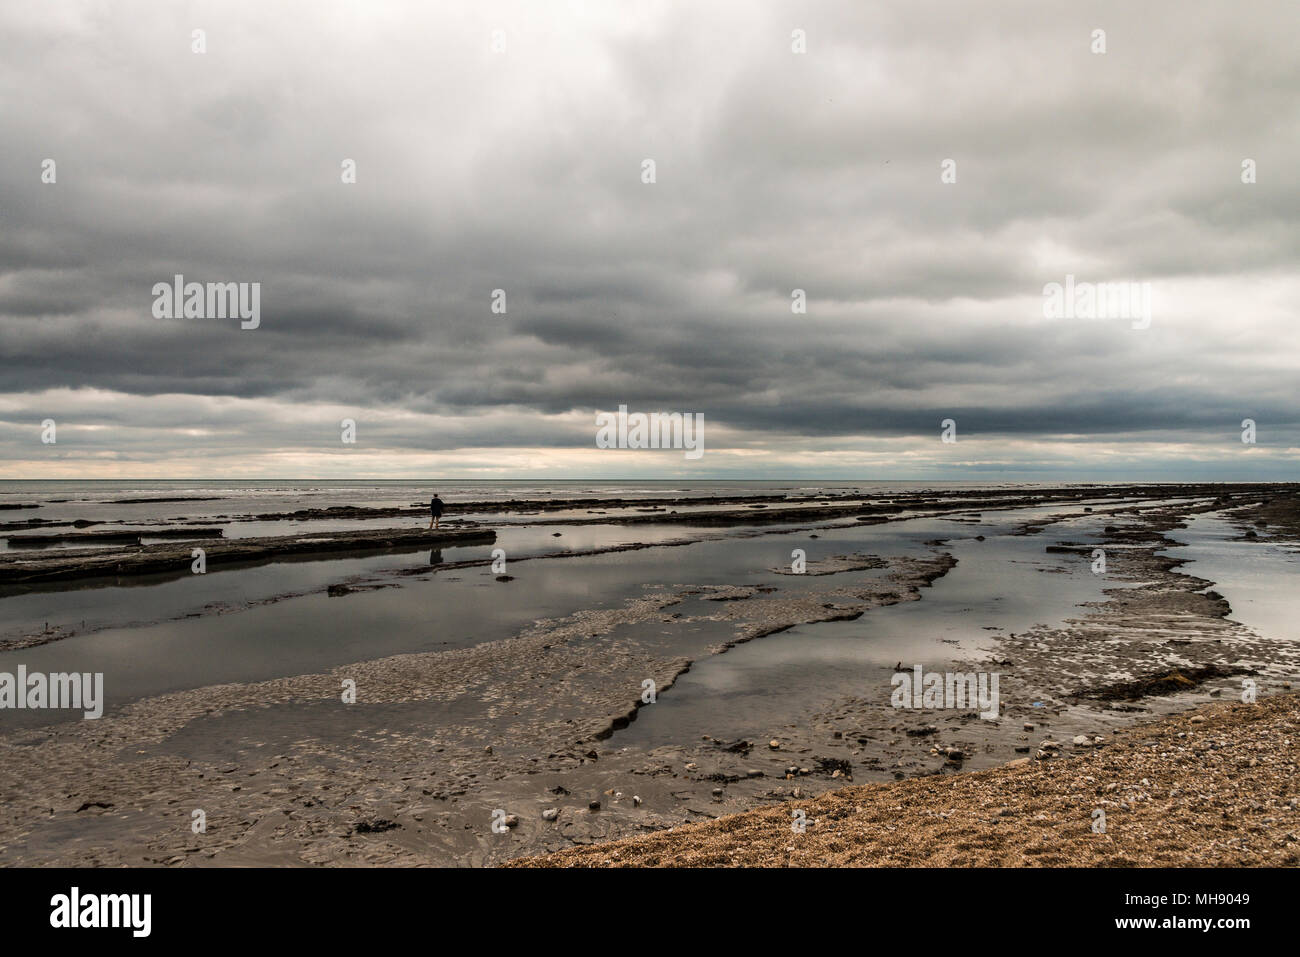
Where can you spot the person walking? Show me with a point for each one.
(435, 510)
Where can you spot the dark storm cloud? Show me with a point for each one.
(520, 171)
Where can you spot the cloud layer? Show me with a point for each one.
(520, 169)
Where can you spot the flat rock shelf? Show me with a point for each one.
(71, 564)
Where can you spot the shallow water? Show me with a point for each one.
(453, 608)
(1259, 579)
(1005, 584)
(73, 606)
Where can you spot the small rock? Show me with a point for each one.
(551, 814)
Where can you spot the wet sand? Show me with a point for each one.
(1213, 787)
(540, 721)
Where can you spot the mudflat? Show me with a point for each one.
(770, 689)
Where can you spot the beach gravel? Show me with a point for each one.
(1214, 787)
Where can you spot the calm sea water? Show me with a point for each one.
(62, 500)
(111, 490)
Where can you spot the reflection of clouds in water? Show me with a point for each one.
(994, 587)
(1256, 578)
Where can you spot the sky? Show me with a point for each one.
(920, 170)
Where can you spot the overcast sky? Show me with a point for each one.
(522, 169)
